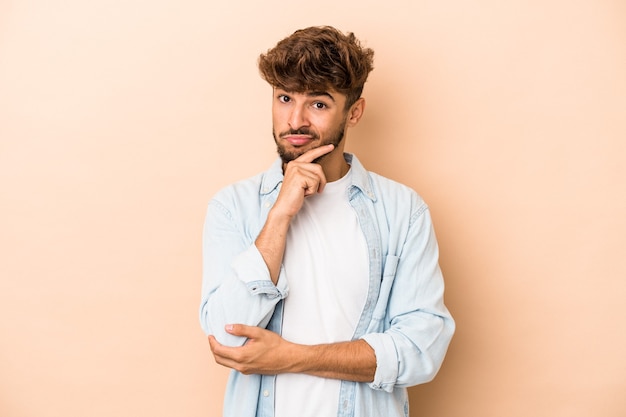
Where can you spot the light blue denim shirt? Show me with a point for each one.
(404, 318)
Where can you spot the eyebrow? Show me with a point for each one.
(311, 94)
(320, 93)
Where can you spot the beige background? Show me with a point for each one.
(119, 120)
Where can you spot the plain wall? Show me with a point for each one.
(120, 119)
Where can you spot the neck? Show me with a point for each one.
(334, 173)
(334, 165)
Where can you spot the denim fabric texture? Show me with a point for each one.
(404, 318)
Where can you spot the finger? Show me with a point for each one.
(313, 182)
(240, 330)
(322, 182)
(312, 176)
(219, 349)
(313, 154)
(213, 343)
(319, 181)
(222, 354)
(216, 348)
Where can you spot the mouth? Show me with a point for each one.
(299, 137)
(298, 140)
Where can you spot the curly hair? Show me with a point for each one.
(318, 58)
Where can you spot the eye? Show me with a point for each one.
(319, 105)
(283, 98)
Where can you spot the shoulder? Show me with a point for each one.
(395, 199)
(237, 199)
(390, 191)
(376, 186)
(243, 187)
(251, 189)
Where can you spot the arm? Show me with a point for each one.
(302, 178)
(417, 327)
(241, 272)
(406, 343)
(267, 353)
(234, 273)
(406, 351)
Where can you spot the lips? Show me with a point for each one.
(298, 140)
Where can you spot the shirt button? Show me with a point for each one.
(266, 393)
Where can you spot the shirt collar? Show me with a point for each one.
(360, 178)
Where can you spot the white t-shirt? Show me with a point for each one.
(327, 268)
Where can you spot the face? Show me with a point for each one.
(303, 121)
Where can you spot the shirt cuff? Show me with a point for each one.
(386, 361)
(251, 269)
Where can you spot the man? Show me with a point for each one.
(321, 284)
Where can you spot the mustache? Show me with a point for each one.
(301, 131)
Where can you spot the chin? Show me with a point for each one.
(289, 153)
(288, 156)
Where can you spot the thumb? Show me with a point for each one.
(239, 330)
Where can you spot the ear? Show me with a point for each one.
(356, 112)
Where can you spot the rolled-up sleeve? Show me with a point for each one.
(400, 362)
(236, 285)
(251, 269)
(417, 326)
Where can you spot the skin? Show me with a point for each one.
(309, 130)
(305, 121)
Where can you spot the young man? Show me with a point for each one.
(321, 284)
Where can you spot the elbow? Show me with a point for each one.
(215, 328)
(433, 357)
(421, 363)
(204, 321)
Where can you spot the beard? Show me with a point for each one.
(334, 138)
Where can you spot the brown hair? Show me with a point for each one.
(317, 59)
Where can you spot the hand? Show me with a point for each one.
(302, 178)
(265, 352)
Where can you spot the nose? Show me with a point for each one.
(298, 117)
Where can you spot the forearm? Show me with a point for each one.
(271, 242)
(266, 353)
(351, 361)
